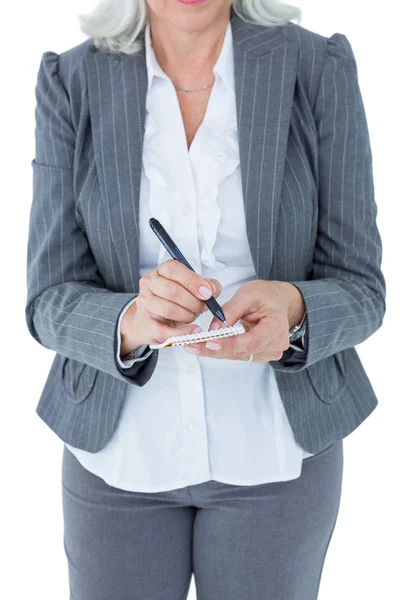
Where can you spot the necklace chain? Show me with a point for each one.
(204, 87)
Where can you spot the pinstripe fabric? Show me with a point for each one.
(310, 213)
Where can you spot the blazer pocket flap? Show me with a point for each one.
(328, 377)
(78, 379)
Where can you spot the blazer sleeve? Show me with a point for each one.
(345, 295)
(68, 308)
(139, 354)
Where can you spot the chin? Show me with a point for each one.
(189, 18)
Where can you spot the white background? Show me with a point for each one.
(363, 557)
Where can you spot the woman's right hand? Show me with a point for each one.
(169, 294)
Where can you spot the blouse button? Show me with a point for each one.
(186, 209)
(193, 425)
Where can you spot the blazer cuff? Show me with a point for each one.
(296, 354)
(139, 354)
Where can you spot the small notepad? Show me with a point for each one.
(203, 336)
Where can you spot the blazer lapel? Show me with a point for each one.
(117, 89)
(265, 73)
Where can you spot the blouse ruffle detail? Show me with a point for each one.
(160, 201)
(175, 176)
(221, 163)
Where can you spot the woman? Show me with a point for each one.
(246, 136)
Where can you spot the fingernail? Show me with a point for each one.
(213, 327)
(197, 330)
(213, 346)
(192, 350)
(205, 292)
(205, 309)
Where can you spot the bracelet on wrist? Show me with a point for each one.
(298, 330)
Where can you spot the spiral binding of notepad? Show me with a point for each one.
(202, 336)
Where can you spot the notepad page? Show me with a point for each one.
(202, 336)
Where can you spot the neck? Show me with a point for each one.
(187, 56)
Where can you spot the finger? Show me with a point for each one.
(202, 350)
(217, 287)
(196, 284)
(255, 340)
(236, 308)
(273, 353)
(171, 290)
(161, 308)
(162, 331)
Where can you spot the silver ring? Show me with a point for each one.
(251, 358)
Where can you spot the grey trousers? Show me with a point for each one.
(259, 542)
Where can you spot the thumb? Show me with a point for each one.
(217, 287)
(235, 309)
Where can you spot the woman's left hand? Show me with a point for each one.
(267, 310)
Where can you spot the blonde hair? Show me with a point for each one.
(116, 25)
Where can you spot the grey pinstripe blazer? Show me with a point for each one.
(310, 212)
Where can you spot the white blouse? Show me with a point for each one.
(197, 418)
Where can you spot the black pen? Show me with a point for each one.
(176, 254)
